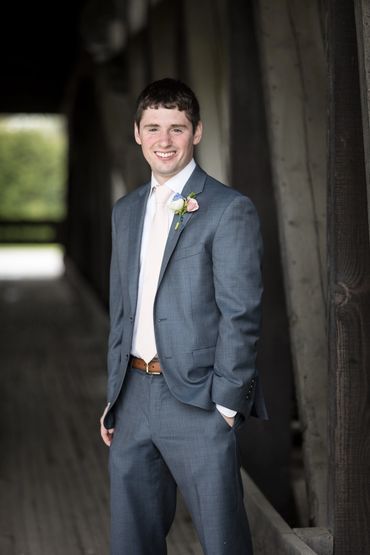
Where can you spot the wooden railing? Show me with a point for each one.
(26, 231)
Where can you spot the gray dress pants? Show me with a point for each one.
(160, 444)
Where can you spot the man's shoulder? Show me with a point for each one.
(131, 197)
(223, 200)
(219, 192)
(220, 188)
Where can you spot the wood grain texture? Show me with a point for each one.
(349, 294)
(362, 14)
(319, 540)
(271, 534)
(294, 74)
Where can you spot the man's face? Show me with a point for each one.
(167, 140)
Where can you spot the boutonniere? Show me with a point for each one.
(180, 205)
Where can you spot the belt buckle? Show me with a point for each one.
(149, 372)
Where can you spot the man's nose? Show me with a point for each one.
(165, 138)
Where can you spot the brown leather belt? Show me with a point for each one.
(152, 367)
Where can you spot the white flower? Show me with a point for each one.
(177, 203)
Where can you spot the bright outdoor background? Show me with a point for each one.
(32, 189)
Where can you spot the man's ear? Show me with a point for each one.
(137, 134)
(198, 133)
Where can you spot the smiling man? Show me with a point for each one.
(185, 303)
(167, 139)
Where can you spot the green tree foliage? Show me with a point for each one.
(32, 175)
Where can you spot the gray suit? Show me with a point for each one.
(207, 314)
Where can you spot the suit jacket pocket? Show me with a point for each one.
(185, 252)
(204, 357)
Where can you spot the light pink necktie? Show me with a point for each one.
(152, 265)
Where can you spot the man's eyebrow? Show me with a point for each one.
(172, 125)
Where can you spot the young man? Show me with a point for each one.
(185, 312)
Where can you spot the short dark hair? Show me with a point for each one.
(169, 93)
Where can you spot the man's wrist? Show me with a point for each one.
(230, 413)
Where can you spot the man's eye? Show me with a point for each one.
(152, 129)
(177, 130)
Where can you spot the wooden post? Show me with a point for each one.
(265, 447)
(349, 295)
(88, 233)
(362, 12)
(294, 74)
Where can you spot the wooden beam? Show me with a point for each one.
(206, 31)
(362, 13)
(349, 294)
(163, 52)
(319, 540)
(266, 448)
(29, 231)
(294, 72)
(270, 533)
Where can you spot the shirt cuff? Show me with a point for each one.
(225, 411)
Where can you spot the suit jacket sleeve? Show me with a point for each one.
(236, 253)
(116, 315)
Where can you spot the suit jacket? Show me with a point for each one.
(208, 303)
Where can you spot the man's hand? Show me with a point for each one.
(107, 435)
(229, 419)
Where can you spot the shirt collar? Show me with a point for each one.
(177, 182)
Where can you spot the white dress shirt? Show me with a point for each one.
(176, 184)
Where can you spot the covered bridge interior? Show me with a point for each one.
(283, 88)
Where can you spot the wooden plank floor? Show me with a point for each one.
(53, 466)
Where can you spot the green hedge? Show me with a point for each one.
(32, 174)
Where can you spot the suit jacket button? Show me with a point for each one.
(248, 397)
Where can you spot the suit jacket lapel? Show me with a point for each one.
(137, 214)
(194, 184)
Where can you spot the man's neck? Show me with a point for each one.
(177, 181)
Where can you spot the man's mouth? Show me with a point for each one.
(165, 155)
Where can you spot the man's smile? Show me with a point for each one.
(165, 155)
